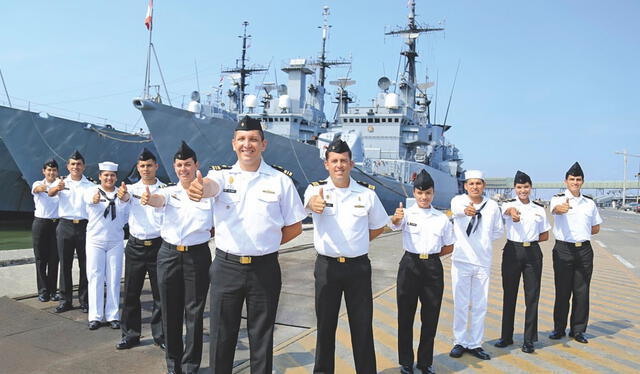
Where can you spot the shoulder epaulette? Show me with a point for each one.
(588, 197)
(318, 183)
(559, 194)
(283, 170)
(93, 180)
(220, 167)
(170, 184)
(538, 203)
(367, 185)
(509, 200)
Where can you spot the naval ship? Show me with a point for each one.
(391, 141)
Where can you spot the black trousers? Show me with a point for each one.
(183, 282)
(71, 238)
(418, 279)
(518, 260)
(140, 260)
(572, 267)
(45, 251)
(332, 279)
(233, 283)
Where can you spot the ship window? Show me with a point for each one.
(344, 120)
(383, 120)
(377, 120)
(370, 120)
(395, 120)
(270, 119)
(295, 120)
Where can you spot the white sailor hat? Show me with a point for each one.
(473, 174)
(107, 166)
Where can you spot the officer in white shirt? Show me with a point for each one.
(257, 209)
(141, 254)
(427, 234)
(576, 218)
(526, 225)
(346, 216)
(183, 262)
(105, 234)
(477, 222)
(71, 231)
(43, 230)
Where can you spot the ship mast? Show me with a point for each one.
(322, 62)
(243, 70)
(411, 32)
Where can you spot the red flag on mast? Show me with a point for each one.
(147, 19)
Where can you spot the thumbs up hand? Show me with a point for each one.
(470, 210)
(40, 188)
(60, 185)
(317, 203)
(122, 192)
(146, 195)
(562, 208)
(96, 197)
(399, 215)
(196, 188)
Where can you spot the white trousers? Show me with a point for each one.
(470, 285)
(104, 266)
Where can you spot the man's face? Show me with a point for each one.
(338, 165)
(523, 190)
(75, 167)
(423, 198)
(147, 169)
(574, 184)
(185, 169)
(248, 145)
(50, 173)
(474, 187)
(107, 179)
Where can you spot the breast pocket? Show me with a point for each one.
(268, 203)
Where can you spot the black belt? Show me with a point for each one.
(343, 259)
(54, 220)
(576, 244)
(523, 244)
(74, 221)
(245, 260)
(423, 256)
(187, 248)
(146, 243)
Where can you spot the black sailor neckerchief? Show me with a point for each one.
(111, 206)
(475, 220)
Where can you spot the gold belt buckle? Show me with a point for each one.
(526, 244)
(76, 221)
(148, 243)
(342, 259)
(182, 248)
(578, 244)
(424, 256)
(245, 260)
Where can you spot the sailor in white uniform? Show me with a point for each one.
(105, 247)
(576, 218)
(477, 222)
(427, 234)
(526, 225)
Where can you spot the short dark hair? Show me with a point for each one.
(326, 154)
(50, 164)
(259, 131)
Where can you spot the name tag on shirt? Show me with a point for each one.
(412, 224)
(229, 190)
(268, 191)
(136, 196)
(175, 197)
(102, 200)
(358, 206)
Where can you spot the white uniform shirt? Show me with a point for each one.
(71, 203)
(252, 208)
(46, 206)
(144, 221)
(342, 230)
(99, 227)
(533, 221)
(185, 222)
(475, 248)
(424, 231)
(575, 225)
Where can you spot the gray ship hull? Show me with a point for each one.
(32, 138)
(14, 191)
(211, 139)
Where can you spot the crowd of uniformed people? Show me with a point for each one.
(252, 209)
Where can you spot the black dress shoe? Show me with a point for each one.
(503, 343)
(128, 343)
(456, 351)
(43, 298)
(427, 370)
(160, 344)
(527, 347)
(114, 325)
(555, 335)
(479, 353)
(84, 308)
(94, 325)
(579, 337)
(55, 297)
(63, 307)
(406, 369)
